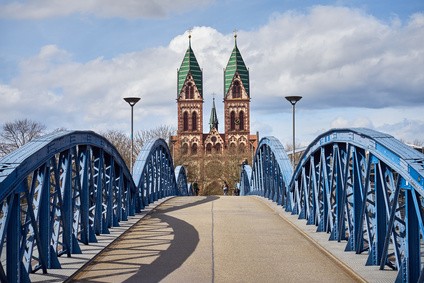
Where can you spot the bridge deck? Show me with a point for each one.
(221, 239)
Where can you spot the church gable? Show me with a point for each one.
(189, 89)
(213, 142)
(237, 89)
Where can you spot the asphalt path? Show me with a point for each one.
(214, 239)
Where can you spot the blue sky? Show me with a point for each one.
(356, 63)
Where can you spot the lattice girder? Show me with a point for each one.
(360, 186)
(65, 188)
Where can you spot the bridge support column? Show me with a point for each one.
(409, 270)
(376, 249)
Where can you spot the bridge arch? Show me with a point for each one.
(271, 171)
(154, 172)
(183, 188)
(66, 188)
(245, 177)
(360, 186)
(367, 188)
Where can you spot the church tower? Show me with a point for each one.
(190, 103)
(237, 102)
(213, 121)
(213, 157)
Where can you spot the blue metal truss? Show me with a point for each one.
(183, 188)
(64, 189)
(358, 185)
(245, 177)
(155, 173)
(271, 172)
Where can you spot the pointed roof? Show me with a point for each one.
(190, 65)
(213, 121)
(236, 65)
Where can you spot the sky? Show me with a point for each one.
(69, 64)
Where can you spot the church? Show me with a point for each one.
(213, 158)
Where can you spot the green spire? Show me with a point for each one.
(190, 65)
(236, 65)
(213, 121)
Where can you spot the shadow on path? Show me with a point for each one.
(150, 250)
(181, 246)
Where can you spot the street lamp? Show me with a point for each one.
(132, 101)
(293, 100)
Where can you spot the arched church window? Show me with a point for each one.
(185, 121)
(194, 121)
(236, 89)
(241, 120)
(242, 148)
(209, 148)
(194, 149)
(232, 148)
(232, 121)
(184, 149)
(218, 148)
(189, 90)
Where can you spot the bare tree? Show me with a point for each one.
(16, 134)
(418, 142)
(163, 132)
(121, 142)
(418, 145)
(298, 154)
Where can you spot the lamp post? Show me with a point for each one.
(132, 101)
(293, 100)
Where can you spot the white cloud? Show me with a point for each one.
(10, 96)
(361, 122)
(76, 95)
(337, 57)
(42, 9)
(407, 130)
(351, 69)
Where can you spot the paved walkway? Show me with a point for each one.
(223, 239)
(72, 264)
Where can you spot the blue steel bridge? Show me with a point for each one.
(361, 187)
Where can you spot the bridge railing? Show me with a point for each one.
(64, 189)
(155, 174)
(270, 174)
(360, 186)
(183, 187)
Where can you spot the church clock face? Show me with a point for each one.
(237, 121)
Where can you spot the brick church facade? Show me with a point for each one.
(215, 157)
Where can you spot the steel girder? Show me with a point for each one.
(155, 174)
(183, 188)
(64, 189)
(365, 188)
(56, 191)
(190, 190)
(245, 177)
(271, 172)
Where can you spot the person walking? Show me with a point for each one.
(196, 189)
(236, 191)
(225, 189)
